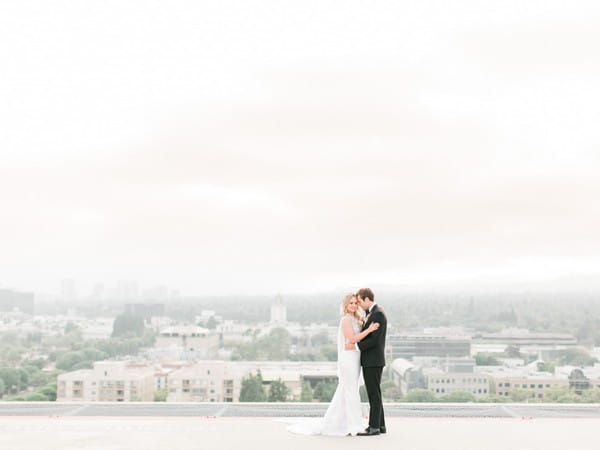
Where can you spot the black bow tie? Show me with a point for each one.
(368, 311)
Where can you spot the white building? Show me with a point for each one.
(221, 381)
(111, 381)
(188, 342)
(278, 312)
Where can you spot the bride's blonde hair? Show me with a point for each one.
(345, 303)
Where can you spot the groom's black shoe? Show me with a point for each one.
(382, 430)
(370, 432)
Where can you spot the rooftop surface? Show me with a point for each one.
(28, 426)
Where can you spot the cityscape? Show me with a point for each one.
(127, 344)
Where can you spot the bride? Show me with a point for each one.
(344, 415)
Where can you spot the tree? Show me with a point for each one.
(49, 391)
(329, 352)
(307, 392)
(160, 395)
(36, 397)
(420, 395)
(591, 395)
(252, 389)
(278, 391)
(576, 357)
(128, 325)
(211, 323)
(546, 367)
(512, 351)
(485, 359)
(2, 387)
(11, 379)
(321, 338)
(521, 395)
(390, 392)
(324, 390)
(70, 327)
(458, 397)
(364, 397)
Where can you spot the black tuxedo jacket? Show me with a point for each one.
(372, 347)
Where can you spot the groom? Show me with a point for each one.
(372, 360)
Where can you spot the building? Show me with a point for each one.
(188, 342)
(221, 381)
(108, 381)
(16, 301)
(442, 376)
(278, 312)
(442, 382)
(525, 381)
(408, 346)
(407, 376)
(520, 337)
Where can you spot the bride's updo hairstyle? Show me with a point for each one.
(345, 303)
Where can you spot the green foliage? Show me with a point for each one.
(274, 347)
(307, 393)
(128, 325)
(546, 367)
(11, 378)
(70, 327)
(320, 339)
(364, 397)
(512, 351)
(278, 391)
(49, 391)
(211, 323)
(160, 395)
(324, 391)
(420, 395)
(83, 365)
(591, 395)
(390, 392)
(458, 397)
(36, 397)
(329, 351)
(486, 359)
(2, 387)
(576, 357)
(521, 395)
(252, 389)
(68, 360)
(494, 399)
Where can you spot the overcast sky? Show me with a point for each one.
(256, 147)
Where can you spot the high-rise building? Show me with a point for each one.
(278, 312)
(68, 291)
(16, 301)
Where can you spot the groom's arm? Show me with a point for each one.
(372, 339)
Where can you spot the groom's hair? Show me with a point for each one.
(366, 293)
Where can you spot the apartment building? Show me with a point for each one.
(108, 381)
(221, 381)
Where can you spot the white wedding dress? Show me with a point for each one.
(344, 415)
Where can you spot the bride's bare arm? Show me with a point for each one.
(349, 335)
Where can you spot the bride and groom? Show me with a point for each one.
(360, 343)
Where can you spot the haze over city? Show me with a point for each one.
(231, 148)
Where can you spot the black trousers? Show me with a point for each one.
(372, 377)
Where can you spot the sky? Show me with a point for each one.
(235, 147)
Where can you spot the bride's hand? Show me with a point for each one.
(373, 327)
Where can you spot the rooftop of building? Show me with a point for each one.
(250, 426)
